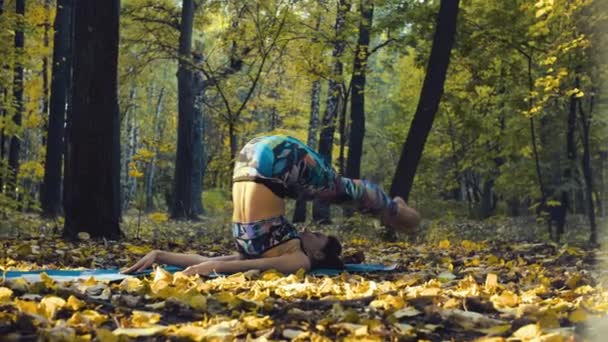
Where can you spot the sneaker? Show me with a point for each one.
(404, 219)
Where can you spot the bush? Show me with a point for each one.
(217, 201)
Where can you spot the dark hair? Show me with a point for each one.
(332, 251)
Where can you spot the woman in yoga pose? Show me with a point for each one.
(268, 170)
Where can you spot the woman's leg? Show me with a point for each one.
(363, 195)
(315, 178)
(368, 198)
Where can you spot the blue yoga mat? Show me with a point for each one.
(114, 274)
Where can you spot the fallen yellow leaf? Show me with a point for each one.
(49, 305)
(139, 332)
(578, 315)
(144, 319)
(28, 307)
(191, 332)
(74, 303)
(445, 244)
(87, 317)
(506, 299)
(5, 294)
(527, 332)
(131, 285)
(491, 282)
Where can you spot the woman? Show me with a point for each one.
(268, 170)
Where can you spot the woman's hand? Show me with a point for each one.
(204, 268)
(144, 263)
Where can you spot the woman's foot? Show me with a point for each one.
(403, 220)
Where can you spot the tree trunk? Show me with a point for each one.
(232, 139)
(487, 204)
(321, 210)
(432, 90)
(2, 142)
(342, 131)
(128, 183)
(51, 187)
(357, 99)
(92, 174)
(603, 158)
(568, 176)
(149, 185)
(184, 164)
(15, 142)
(3, 99)
(585, 120)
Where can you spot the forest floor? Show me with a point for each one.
(460, 282)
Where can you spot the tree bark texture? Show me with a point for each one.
(585, 120)
(51, 186)
(2, 114)
(92, 179)
(432, 90)
(15, 141)
(184, 164)
(321, 210)
(568, 174)
(357, 99)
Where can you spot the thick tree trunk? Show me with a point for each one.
(2, 139)
(92, 174)
(432, 90)
(149, 184)
(184, 164)
(15, 142)
(585, 120)
(321, 210)
(299, 214)
(50, 193)
(357, 99)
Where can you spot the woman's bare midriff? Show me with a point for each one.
(254, 201)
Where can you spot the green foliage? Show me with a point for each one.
(216, 201)
(260, 57)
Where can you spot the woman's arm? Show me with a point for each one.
(185, 260)
(175, 259)
(288, 263)
(179, 259)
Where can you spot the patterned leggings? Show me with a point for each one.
(292, 169)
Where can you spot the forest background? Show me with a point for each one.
(520, 132)
(120, 122)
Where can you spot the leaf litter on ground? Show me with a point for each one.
(446, 290)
